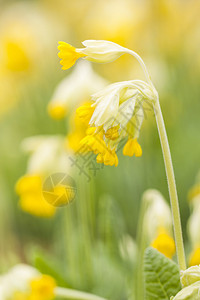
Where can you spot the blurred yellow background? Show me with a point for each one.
(166, 35)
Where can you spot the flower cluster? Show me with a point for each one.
(116, 113)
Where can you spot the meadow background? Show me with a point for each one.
(80, 244)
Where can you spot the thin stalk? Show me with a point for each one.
(142, 64)
(73, 294)
(171, 185)
(141, 242)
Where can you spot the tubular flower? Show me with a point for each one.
(158, 223)
(117, 113)
(74, 89)
(95, 50)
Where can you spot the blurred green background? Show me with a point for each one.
(80, 244)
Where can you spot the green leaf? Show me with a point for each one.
(162, 276)
(44, 267)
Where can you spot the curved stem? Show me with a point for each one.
(142, 64)
(171, 185)
(74, 294)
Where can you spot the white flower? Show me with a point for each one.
(48, 154)
(17, 279)
(116, 104)
(157, 215)
(75, 89)
(194, 223)
(101, 51)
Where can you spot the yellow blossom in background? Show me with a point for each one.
(9, 93)
(23, 282)
(29, 189)
(194, 191)
(48, 156)
(157, 223)
(42, 288)
(194, 223)
(24, 38)
(74, 89)
(194, 258)
(164, 243)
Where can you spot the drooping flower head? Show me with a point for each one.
(116, 112)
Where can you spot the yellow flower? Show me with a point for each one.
(68, 54)
(194, 258)
(95, 50)
(112, 133)
(110, 158)
(195, 191)
(85, 112)
(28, 183)
(164, 243)
(132, 147)
(29, 188)
(57, 112)
(42, 288)
(157, 222)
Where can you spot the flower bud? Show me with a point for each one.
(190, 276)
(101, 51)
(191, 292)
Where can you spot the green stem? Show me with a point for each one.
(74, 294)
(141, 242)
(171, 185)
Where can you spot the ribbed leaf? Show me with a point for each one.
(162, 278)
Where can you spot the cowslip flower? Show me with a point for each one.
(158, 223)
(24, 39)
(25, 282)
(116, 112)
(95, 51)
(194, 223)
(48, 156)
(108, 116)
(193, 232)
(74, 90)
